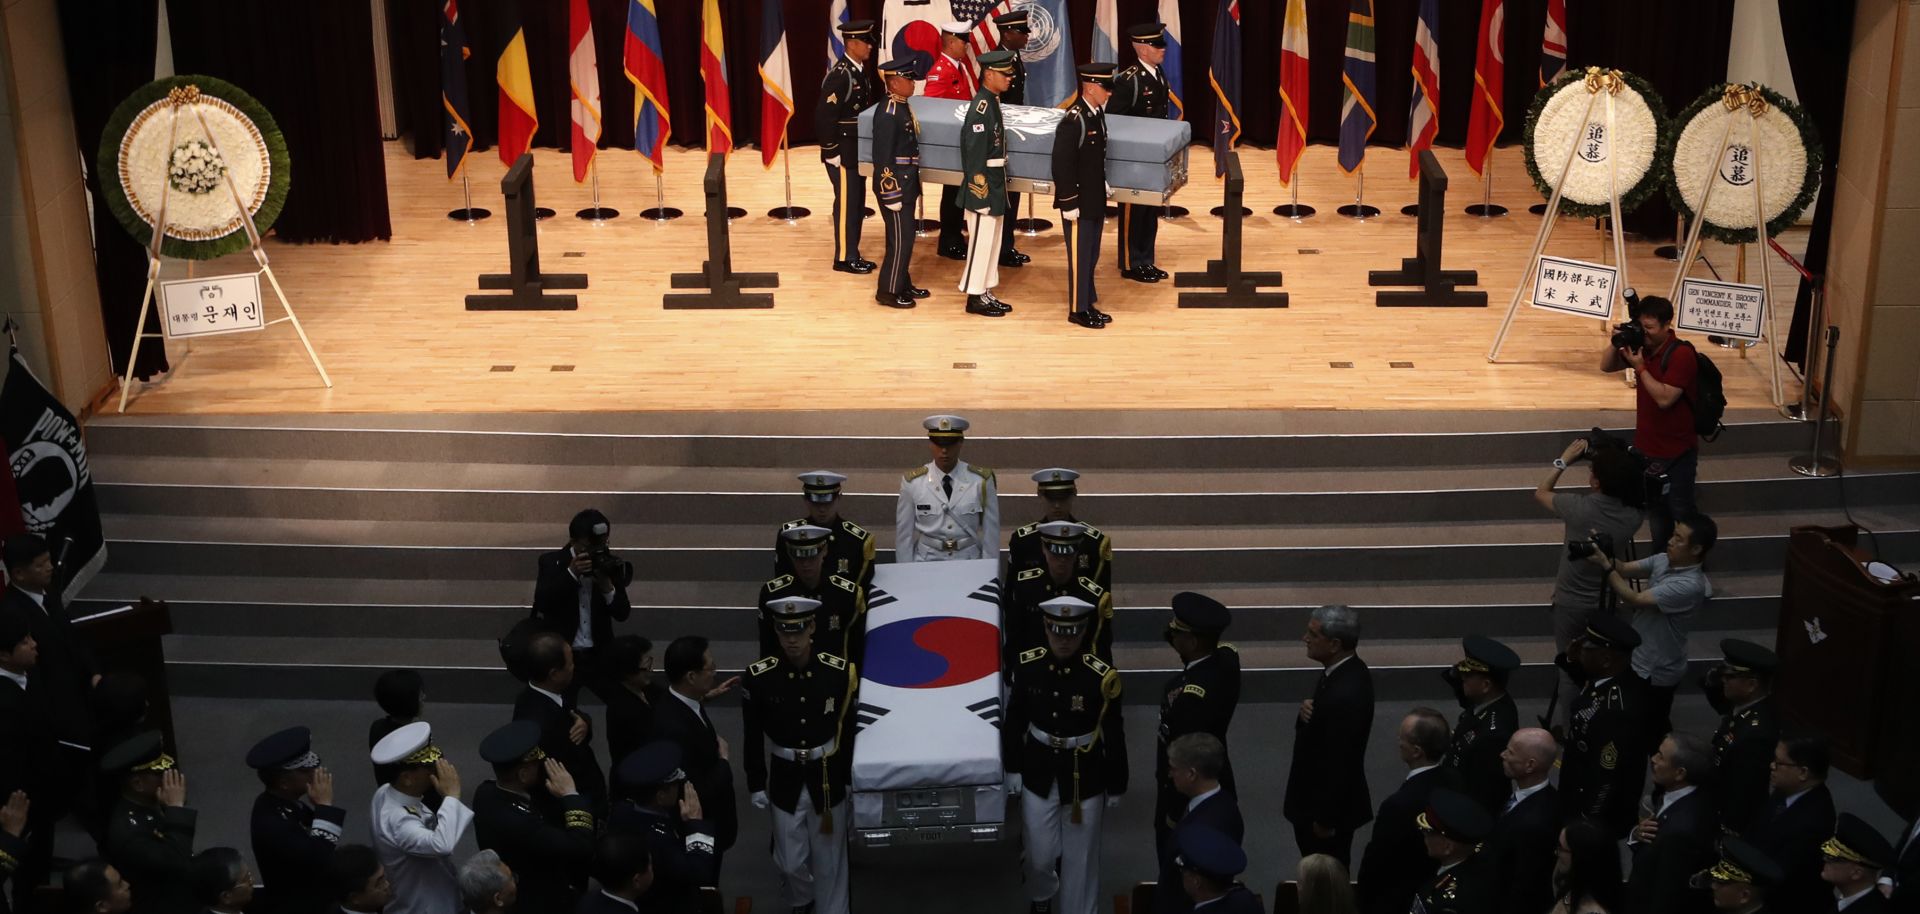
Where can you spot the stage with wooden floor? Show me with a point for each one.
(389, 319)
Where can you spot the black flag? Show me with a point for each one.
(50, 471)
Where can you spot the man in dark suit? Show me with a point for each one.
(631, 695)
(1200, 698)
(1904, 875)
(1741, 689)
(566, 732)
(1194, 764)
(1852, 862)
(1488, 718)
(682, 719)
(1677, 840)
(63, 678)
(1797, 821)
(624, 871)
(1526, 826)
(26, 759)
(1208, 861)
(1395, 864)
(581, 590)
(356, 881)
(1327, 795)
(295, 826)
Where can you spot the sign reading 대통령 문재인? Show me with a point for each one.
(1728, 309)
(1575, 287)
(214, 304)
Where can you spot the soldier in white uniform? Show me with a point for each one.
(414, 842)
(948, 509)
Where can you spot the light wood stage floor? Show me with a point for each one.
(388, 318)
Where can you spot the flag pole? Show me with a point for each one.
(467, 212)
(1486, 208)
(596, 212)
(1359, 209)
(792, 214)
(1293, 209)
(922, 226)
(660, 212)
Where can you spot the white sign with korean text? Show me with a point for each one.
(1575, 287)
(210, 305)
(1729, 309)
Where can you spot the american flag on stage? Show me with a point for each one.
(454, 52)
(583, 72)
(1223, 71)
(713, 78)
(776, 82)
(647, 70)
(985, 36)
(1294, 76)
(1423, 118)
(1489, 81)
(1553, 43)
(837, 16)
(1357, 119)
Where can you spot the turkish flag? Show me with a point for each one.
(1489, 81)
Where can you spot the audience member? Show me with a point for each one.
(1200, 698)
(624, 872)
(1208, 861)
(119, 714)
(13, 848)
(631, 694)
(1741, 689)
(662, 808)
(1609, 513)
(416, 844)
(1586, 872)
(534, 817)
(295, 826)
(95, 887)
(704, 753)
(1797, 821)
(402, 694)
(1326, 797)
(1195, 763)
(64, 676)
(356, 881)
(488, 886)
(1903, 882)
(1323, 887)
(1602, 769)
(566, 733)
(850, 551)
(29, 760)
(1488, 718)
(1521, 840)
(581, 590)
(220, 881)
(1664, 612)
(1464, 882)
(1395, 864)
(1745, 880)
(150, 831)
(1675, 839)
(1851, 862)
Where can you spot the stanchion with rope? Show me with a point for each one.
(1816, 316)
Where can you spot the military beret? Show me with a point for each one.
(947, 428)
(652, 765)
(857, 28)
(516, 742)
(1015, 21)
(1744, 864)
(1485, 655)
(1857, 842)
(1149, 33)
(15, 626)
(1056, 482)
(1194, 612)
(1612, 632)
(289, 750)
(410, 744)
(1455, 816)
(822, 485)
(1001, 61)
(1748, 657)
(143, 752)
(1209, 851)
(1100, 74)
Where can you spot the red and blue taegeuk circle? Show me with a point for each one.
(932, 652)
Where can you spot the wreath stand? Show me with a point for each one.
(1736, 98)
(189, 97)
(1600, 83)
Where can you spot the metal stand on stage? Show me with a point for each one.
(922, 226)
(1031, 226)
(1171, 212)
(1359, 209)
(1813, 464)
(596, 212)
(526, 286)
(1237, 289)
(1423, 269)
(468, 212)
(1294, 209)
(790, 213)
(1486, 208)
(660, 212)
(721, 284)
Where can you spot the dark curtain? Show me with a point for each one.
(311, 65)
(104, 66)
(1819, 45)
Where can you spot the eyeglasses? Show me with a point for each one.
(1777, 763)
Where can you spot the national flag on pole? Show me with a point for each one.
(1170, 67)
(1485, 120)
(985, 35)
(646, 68)
(713, 77)
(1423, 118)
(1294, 76)
(583, 72)
(776, 82)
(1223, 71)
(1357, 119)
(47, 460)
(1553, 43)
(837, 16)
(454, 52)
(518, 118)
(1106, 33)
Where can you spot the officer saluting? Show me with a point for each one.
(849, 546)
(843, 602)
(983, 192)
(1487, 720)
(150, 829)
(1141, 91)
(1603, 764)
(896, 183)
(1200, 698)
(1014, 33)
(663, 809)
(1057, 487)
(836, 121)
(798, 702)
(293, 840)
(948, 509)
(1062, 544)
(534, 817)
(1080, 189)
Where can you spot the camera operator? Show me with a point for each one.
(1607, 513)
(1664, 369)
(1664, 612)
(581, 591)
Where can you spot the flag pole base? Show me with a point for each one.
(1486, 210)
(1294, 210)
(542, 213)
(789, 213)
(1358, 211)
(734, 212)
(1173, 212)
(1031, 227)
(597, 214)
(661, 214)
(1411, 209)
(1538, 209)
(1220, 211)
(924, 227)
(867, 212)
(469, 214)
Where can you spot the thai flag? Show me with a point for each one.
(646, 69)
(1553, 43)
(1357, 119)
(776, 82)
(1170, 68)
(1423, 118)
(1106, 32)
(583, 72)
(454, 52)
(837, 17)
(1224, 73)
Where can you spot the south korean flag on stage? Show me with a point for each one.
(48, 462)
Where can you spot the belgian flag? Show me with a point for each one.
(518, 119)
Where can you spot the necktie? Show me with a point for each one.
(1512, 801)
(946, 483)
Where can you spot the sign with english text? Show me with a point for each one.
(1730, 309)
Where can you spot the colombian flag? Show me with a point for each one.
(713, 75)
(515, 79)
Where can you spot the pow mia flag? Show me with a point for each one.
(48, 461)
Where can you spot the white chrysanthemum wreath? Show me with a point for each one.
(1770, 147)
(1560, 122)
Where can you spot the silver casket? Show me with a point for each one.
(1146, 157)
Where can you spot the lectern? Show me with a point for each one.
(127, 640)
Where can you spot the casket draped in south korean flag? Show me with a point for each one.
(926, 765)
(1146, 157)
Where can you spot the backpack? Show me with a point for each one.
(1709, 400)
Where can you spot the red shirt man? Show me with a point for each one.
(950, 77)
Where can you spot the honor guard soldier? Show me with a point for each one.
(1852, 861)
(948, 508)
(1488, 718)
(799, 703)
(150, 829)
(663, 810)
(1200, 698)
(415, 842)
(295, 825)
(1066, 756)
(1080, 189)
(949, 77)
(1467, 883)
(1208, 860)
(1743, 878)
(849, 547)
(896, 183)
(843, 602)
(1141, 91)
(836, 121)
(1602, 764)
(1014, 33)
(1062, 543)
(1741, 689)
(1057, 488)
(983, 193)
(533, 816)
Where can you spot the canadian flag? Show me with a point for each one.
(584, 73)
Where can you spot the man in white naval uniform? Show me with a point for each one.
(414, 842)
(948, 509)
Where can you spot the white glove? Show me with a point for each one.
(996, 163)
(835, 161)
(1013, 785)
(1070, 214)
(893, 206)
(1113, 800)
(1109, 191)
(759, 799)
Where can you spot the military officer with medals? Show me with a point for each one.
(1488, 718)
(1062, 543)
(1141, 90)
(798, 703)
(949, 77)
(836, 121)
(983, 192)
(896, 183)
(295, 825)
(1080, 190)
(1467, 882)
(849, 545)
(533, 816)
(660, 807)
(1015, 31)
(1066, 757)
(1740, 688)
(416, 842)
(948, 508)
(1057, 487)
(1602, 765)
(1200, 698)
(843, 601)
(149, 835)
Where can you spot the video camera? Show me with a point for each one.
(1629, 335)
(1599, 542)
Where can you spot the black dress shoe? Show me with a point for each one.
(895, 301)
(1157, 272)
(853, 266)
(1139, 275)
(1099, 315)
(1040, 907)
(959, 253)
(1014, 259)
(1086, 320)
(980, 304)
(1003, 306)
(917, 292)
(866, 266)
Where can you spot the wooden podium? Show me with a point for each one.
(127, 639)
(1841, 654)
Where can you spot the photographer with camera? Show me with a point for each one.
(581, 590)
(1605, 516)
(1663, 613)
(1665, 369)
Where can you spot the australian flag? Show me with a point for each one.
(453, 87)
(48, 461)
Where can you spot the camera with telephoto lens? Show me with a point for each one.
(1629, 335)
(616, 569)
(1580, 549)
